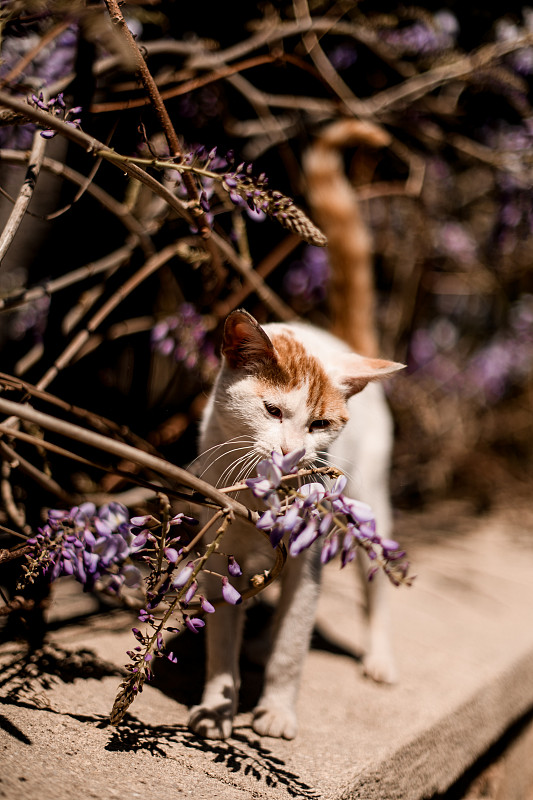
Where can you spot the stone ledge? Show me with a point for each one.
(464, 641)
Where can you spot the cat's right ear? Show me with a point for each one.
(245, 343)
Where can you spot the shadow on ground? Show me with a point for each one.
(26, 677)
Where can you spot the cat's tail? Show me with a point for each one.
(335, 208)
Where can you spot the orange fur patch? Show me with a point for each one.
(295, 367)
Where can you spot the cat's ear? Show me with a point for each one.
(245, 343)
(353, 372)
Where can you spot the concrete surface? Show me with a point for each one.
(464, 641)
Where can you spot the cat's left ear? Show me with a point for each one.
(245, 344)
(353, 372)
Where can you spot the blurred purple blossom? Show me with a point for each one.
(233, 567)
(230, 593)
(184, 337)
(194, 624)
(306, 279)
(31, 318)
(343, 55)
(423, 36)
(206, 605)
(455, 241)
(491, 370)
(50, 64)
(183, 576)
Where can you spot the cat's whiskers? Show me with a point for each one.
(231, 475)
(225, 453)
(211, 450)
(246, 469)
(323, 458)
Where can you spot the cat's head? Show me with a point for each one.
(284, 396)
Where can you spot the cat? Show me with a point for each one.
(282, 387)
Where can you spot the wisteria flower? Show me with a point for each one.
(90, 544)
(183, 576)
(194, 624)
(230, 593)
(312, 512)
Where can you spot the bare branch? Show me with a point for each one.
(147, 460)
(35, 159)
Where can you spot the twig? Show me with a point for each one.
(95, 147)
(149, 267)
(147, 460)
(17, 515)
(26, 193)
(263, 270)
(264, 292)
(107, 201)
(223, 71)
(419, 85)
(271, 126)
(23, 296)
(47, 483)
(323, 64)
(150, 85)
(124, 474)
(96, 420)
(333, 472)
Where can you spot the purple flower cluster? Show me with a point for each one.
(513, 143)
(306, 280)
(241, 184)
(246, 190)
(183, 337)
(57, 107)
(52, 63)
(313, 512)
(172, 590)
(208, 167)
(89, 543)
(492, 368)
(423, 37)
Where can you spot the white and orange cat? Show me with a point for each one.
(283, 387)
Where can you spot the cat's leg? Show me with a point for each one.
(275, 714)
(378, 661)
(213, 718)
(367, 440)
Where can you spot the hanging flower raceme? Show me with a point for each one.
(312, 512)
(89, 543)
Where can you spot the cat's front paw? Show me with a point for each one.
(278, 722)
(380, 666)
(211, 723)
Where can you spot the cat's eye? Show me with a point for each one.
(274, 411)
(319, 424)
